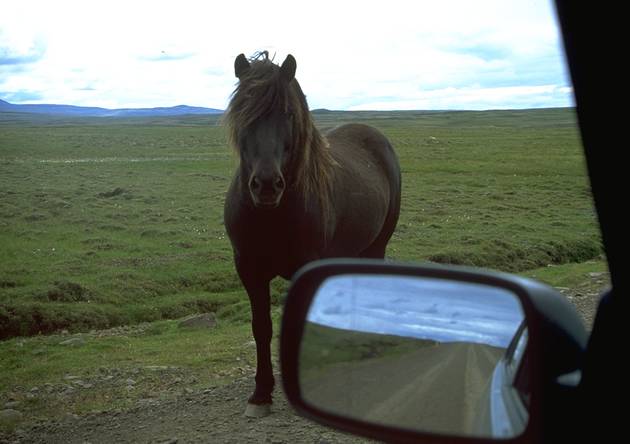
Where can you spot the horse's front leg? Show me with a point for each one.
(259, 404)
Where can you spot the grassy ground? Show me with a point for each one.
(108, 222)
(325, 346)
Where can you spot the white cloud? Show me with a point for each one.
(476, 98)
(351, 54)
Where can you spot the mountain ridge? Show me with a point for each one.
(90, 111)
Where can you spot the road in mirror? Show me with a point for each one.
(425, 354)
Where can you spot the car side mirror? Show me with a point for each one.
(400, 352)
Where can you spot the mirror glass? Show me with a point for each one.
(425, 354)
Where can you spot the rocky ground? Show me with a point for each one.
(179, 410)
(585, 297)
(210, 415)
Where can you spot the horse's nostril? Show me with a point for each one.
(255, 184)
(279, 183)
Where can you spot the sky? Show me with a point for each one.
(426, 308)
(351, 55)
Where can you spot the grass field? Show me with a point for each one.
(325, 346)
(108, 222)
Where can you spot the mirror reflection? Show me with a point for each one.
(420, 353)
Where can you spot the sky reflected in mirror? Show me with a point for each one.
(420, 307)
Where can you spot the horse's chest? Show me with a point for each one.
(273, 247)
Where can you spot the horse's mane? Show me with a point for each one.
(262, 90)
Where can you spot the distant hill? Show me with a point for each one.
(83, 111)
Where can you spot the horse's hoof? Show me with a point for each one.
(257, 410)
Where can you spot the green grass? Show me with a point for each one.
(572, 275)
(175, 347)
(324, 346)
(108, 222)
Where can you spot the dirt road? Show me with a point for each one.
(209, 416)
(436, 388)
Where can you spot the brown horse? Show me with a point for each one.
(297, 195)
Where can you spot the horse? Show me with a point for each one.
(298, 195)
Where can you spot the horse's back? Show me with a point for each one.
(364, 150)
(353, 136)
(368, 182)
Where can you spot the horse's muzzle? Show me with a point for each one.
(266, 190)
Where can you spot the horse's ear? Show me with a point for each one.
(288, 68)
(241, 65)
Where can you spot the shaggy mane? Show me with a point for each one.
(260, 91)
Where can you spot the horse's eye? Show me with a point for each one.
(240, 141)
(243, 151)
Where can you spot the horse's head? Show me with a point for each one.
(261, 118)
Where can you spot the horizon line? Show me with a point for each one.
(319, 109)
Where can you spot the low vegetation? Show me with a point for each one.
(107, 222)
(325, 346)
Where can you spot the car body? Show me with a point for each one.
(505, 412)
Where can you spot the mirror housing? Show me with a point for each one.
(555, 344)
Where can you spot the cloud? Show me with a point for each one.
(486, 51)
(164, 56)
(12, 54)
(21, 96)
(335, 310)
(476, 98)
(433, 309)
(217, 71)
